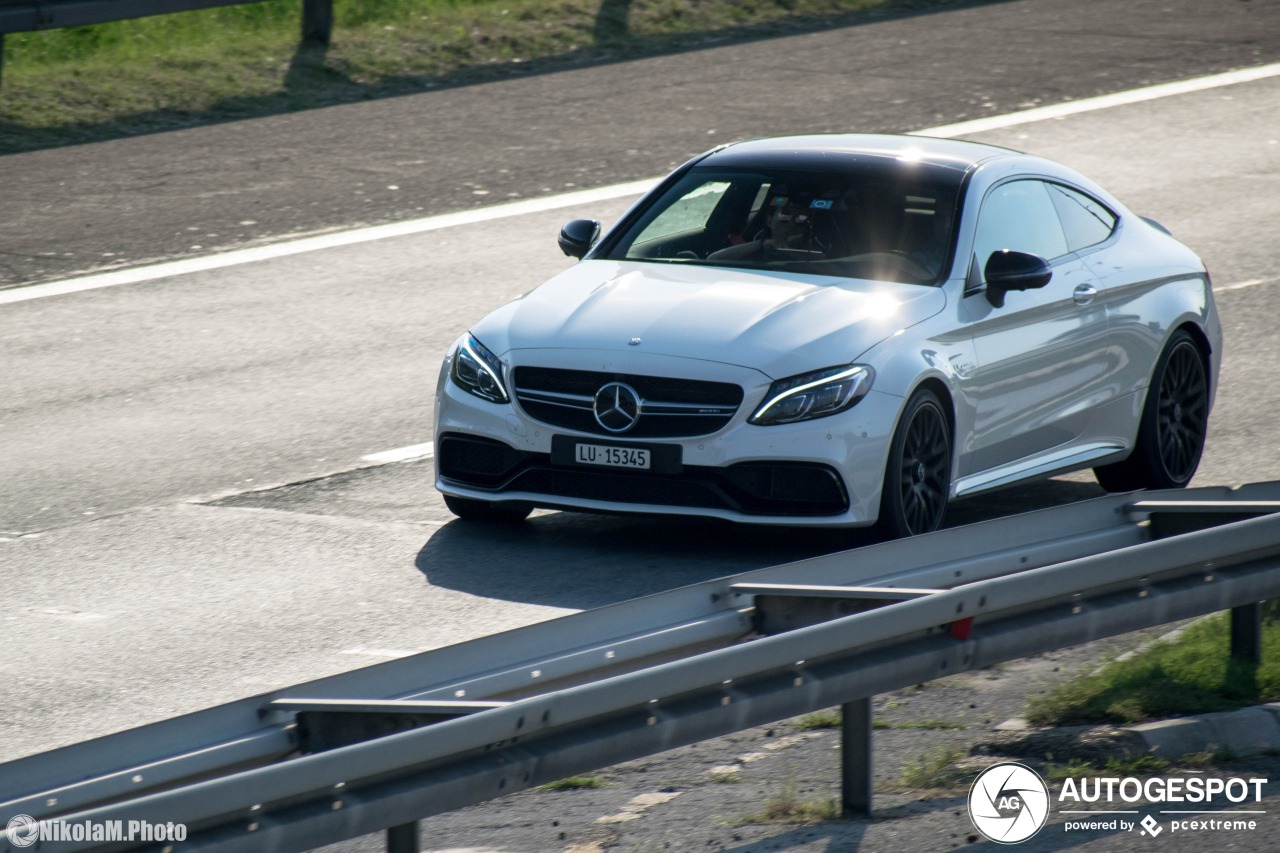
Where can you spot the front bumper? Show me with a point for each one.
(824, 472)
(746, 489)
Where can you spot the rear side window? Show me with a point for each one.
(1021, 217)
(1085, 221)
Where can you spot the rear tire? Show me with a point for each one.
(917, 477)
(470, 509)
(1174, 423)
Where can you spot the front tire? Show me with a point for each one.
(917, 477)
(473, 510)
(1174, 423)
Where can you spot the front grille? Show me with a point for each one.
(669, 408)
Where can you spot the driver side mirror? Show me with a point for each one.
(1009, 270)
(578, 236)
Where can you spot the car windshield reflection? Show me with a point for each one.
(889, 221)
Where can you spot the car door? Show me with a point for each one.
(1037, 371)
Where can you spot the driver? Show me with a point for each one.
(790, 227)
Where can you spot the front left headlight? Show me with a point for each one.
(814, 395)
(478, 371)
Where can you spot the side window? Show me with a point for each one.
(1019, 216)
(1085, 221)
(688, 213)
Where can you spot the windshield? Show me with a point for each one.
(876, 219)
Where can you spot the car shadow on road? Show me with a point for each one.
(581, 561)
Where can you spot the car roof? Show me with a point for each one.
(816, 150)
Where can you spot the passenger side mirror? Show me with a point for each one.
(578, 236)
(1008, 270)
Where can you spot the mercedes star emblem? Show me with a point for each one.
(617, 407)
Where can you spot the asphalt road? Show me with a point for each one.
(186, 516)
(172, 195)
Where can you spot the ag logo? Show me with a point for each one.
(1009, 803)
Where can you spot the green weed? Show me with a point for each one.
(575, 783)
(166, 71)
(1193, 674)
(936, 768)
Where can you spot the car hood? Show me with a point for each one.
(779, 324)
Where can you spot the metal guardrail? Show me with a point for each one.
(21, 16)
(382, 747)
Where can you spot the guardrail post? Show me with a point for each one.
(317, 21)
(855, 757)
(403, 838)
(1246, 633)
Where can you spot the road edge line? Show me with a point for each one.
(235, 257)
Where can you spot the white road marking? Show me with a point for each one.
(585, 847)
(402, 454)
(235, 257)
(539, 205)
(721, 770)
(635, 809)
(70, 615)
(1102, 102)
(792, 740)
(1243, 284)
(379, 653)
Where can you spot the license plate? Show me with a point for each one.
(612, 457)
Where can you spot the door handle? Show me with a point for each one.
(1084, 294)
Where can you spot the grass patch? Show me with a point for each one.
(166, 71)
(1192, 674)
(937, 768)
(829, 718)
(1142, 765)
(785, 806)
(927, 725)
(575, 783)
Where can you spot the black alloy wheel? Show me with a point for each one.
(917, 479)
(1175, 422)
(1183, 413)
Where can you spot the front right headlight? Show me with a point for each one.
(814, 395)
(478, 371)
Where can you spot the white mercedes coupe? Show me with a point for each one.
(841, 330)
